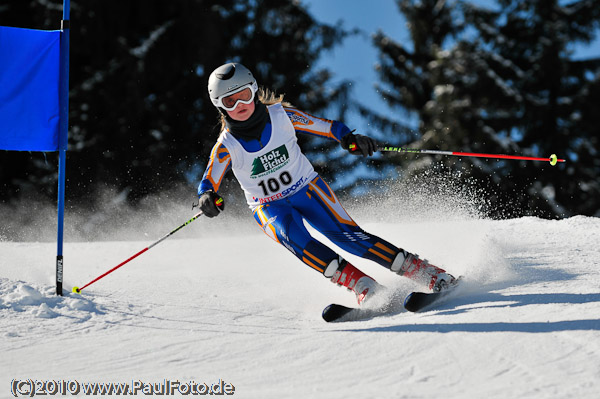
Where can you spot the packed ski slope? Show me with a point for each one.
(222, 302)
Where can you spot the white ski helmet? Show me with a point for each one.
(228, 79)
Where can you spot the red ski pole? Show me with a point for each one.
(196, 216)
(553, 159)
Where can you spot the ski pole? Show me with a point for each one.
(553, 159)
(77, 290)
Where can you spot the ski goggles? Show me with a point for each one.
(244, 95)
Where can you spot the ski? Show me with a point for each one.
(334, 312)
(414, 302)
(339, 313)
(417, 301)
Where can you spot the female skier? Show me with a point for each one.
(258, 142)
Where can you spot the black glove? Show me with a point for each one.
(211, 204)
(357, 144)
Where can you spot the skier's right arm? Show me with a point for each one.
(219, 163)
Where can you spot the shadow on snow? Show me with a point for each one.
(468, 303)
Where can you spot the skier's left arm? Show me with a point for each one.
(219, 164)
(356, 144)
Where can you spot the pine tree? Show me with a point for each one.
(140, 118)
(530, 98)
(510, 87)
(405, 72)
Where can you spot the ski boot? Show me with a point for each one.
(346, 275)
(409, 265)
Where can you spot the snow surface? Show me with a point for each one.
(223, 301)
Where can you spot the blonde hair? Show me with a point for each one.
(265, 96)
(269, 97)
